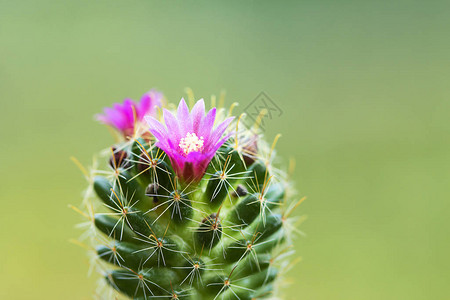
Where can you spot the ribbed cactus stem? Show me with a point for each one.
(185, 211)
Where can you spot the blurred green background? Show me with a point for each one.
(364, 87)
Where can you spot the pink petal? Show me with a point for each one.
(129, 112)
(144, 106)
(116, 118)
(197, 114)
(183, 117)
(157, 129)
(207, 124)
(221, 141)
(218, 132)
(148, 103)
(172, 125)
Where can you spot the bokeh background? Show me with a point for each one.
(364, 89)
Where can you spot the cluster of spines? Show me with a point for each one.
(220, 238)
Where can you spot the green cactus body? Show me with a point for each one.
(160, 234)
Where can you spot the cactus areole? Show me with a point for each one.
(187, 205)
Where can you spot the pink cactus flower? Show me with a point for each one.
(127, 115)
(189, 139)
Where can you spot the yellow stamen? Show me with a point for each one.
(191, 143)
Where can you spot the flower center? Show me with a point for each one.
(191, 143)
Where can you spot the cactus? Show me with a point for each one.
(184, 209)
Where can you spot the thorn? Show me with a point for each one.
(190, 96)
(237, 126)
(78, 243)
(233, 105)
(288, 213)
(222, 98)
(80, 212)
(258, 121)
(80, 166)
(273, 147)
